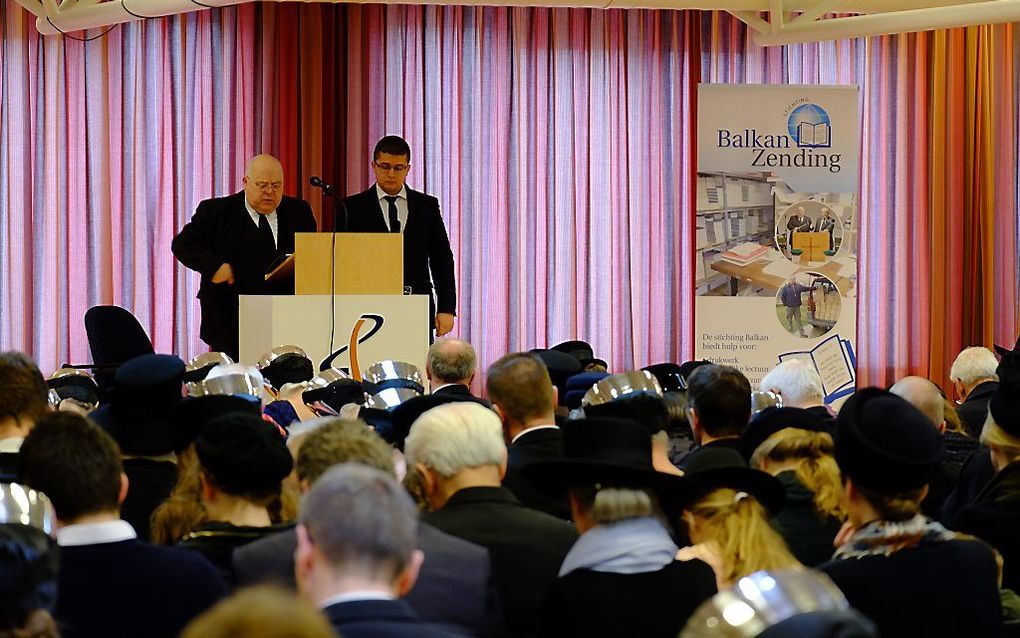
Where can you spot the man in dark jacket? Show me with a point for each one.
(109, 583)
(454, 587)
(356, 553)
(231, 241)
(458, 449)
(895, 563)
(974, 381)
(525, 399)
(390, 207)
(718, 407)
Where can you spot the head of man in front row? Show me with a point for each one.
(389, 206)
(231, 241)
(718, 407)
(450, 366)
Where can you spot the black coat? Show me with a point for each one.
(381, 619)
(526, 546)
(149, 484)
(975, 474)
(461, 392)
(217, 541)
(732, 442)
(807, 533)
(995, 519)
(132, 589)
(538, 445)
(974, 409)
(586, 603)
(455, 587)
(428, 258)
(221, 231)
(945, 589)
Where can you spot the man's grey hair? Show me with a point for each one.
(797, 381)
(451, 360)
(923, 395)
(361, 520)
(972, 365)
(454, 437)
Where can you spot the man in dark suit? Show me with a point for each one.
(391, 207)
(450, 367)
(974, 382)
(110, 583)
(454, 587)
(718, 408)
(525, 399)
(24, 399)
(231, 241)
(459, 453)
(356, 553)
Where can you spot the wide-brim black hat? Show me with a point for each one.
(712, 468)
(605, 452)
(578, 349)
(145, 390)
(192, 414)
(772, 420)
(1004, 404)
(669, 375)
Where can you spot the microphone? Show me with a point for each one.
(318, 183)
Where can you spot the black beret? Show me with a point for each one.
(288, 368)
(145, 390)
(772, 420)
(885, 444)
(644, 409)
(190, 416)
(243, 454)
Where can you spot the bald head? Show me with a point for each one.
(923, 395)
(263, 183)
(451, 361)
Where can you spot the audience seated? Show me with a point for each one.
(727, 517)
(621, 577)
(22, 402)
(908, 574)
(450, 367)
(261, 612)
(525, 399)
(718, 408)
(974, 380)
(798, 451)
(110, 583)
(356, 553)
(242, 463)
(459, 451)
(995, 515)
(454, 585)
(798, 385)
(285, 370)
(144, 393)
(926, 397)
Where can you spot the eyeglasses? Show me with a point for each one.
(269, 187)
(386, 168)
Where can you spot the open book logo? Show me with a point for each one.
(810, 127)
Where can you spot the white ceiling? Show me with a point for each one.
(773, 21)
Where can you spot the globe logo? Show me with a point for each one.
(810, 127)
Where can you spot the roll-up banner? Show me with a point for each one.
(777, 220)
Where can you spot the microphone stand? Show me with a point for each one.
(327, 189)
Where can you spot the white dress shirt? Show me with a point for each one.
(401, 206)
(95, 533)
(270, 217)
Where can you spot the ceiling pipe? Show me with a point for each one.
(988, 12)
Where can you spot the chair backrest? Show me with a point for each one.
(115, 336)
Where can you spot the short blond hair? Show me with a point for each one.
(261, 612)
(993, 436)
(456, 436)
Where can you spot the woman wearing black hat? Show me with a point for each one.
(727, 517)
(243, 461)
(909, 574)
(620, 578)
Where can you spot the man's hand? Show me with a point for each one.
(444, 323)
(225, 274)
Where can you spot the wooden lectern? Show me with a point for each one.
(363, 264)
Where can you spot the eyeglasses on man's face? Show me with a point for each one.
(386, 167)
(269, 187)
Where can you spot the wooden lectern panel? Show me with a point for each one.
(366, 263)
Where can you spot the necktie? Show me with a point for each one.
(394, 220)
(267, 234)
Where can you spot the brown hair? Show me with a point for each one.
(816, 467)
(342, 442)
(183, 510)
(25, 394)
(952, 417)
(737, 525)
(901, 506)
(39, 624)
(261, 612)
(520, 385)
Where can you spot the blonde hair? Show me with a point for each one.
(261, 612)
(994, 436)
(737, 525)
(816, 467)
(615, 504)
(952, 417)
